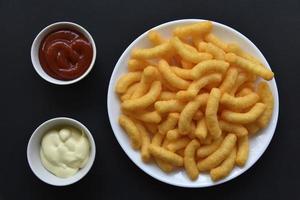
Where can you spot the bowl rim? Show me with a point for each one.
(111, 90)
(35, 44)
(89, 164)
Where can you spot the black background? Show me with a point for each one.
(27, 100)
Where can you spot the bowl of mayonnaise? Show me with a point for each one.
(61, 151)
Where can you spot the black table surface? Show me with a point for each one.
(27, 100)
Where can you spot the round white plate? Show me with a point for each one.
(258, 143)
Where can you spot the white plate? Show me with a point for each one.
(258, 144)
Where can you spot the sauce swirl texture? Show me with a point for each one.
(65, 54)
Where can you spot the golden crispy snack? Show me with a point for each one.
(216, 41)
(155, 52)
(197, 85)
(234, 48)
(267, 98)
(127, 80)
(178, 144)
(169, 106)
(244, 118)
(150, 73)
(130, 128)
(239, 103)
(173, 134)
(156, 141)
(155, 38)
(242, 151)
(145, 116)
(166, 95)
(171, 77)
(137, 65)
(189, 161)
(206, 66)
(165, 155)
(166, 86)
(145, 138)
(130, 91)
(219, 155)
(189, 54)
(144, 101)
(211, 113)
(195, 29)
(225, 168)
(249, 66)
(182, 73)
(218, 53)
(229, 80)
(237, 129)
(187, 114)
(240, 80)
(208, 149)
(201, 129)
(169, 124)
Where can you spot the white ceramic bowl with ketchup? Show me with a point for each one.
(44, 33)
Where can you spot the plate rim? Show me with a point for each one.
(111, 90)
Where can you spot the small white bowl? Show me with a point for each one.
(33, 152)
(258, 143)
(36, 45)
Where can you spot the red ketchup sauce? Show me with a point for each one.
(65, 54)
